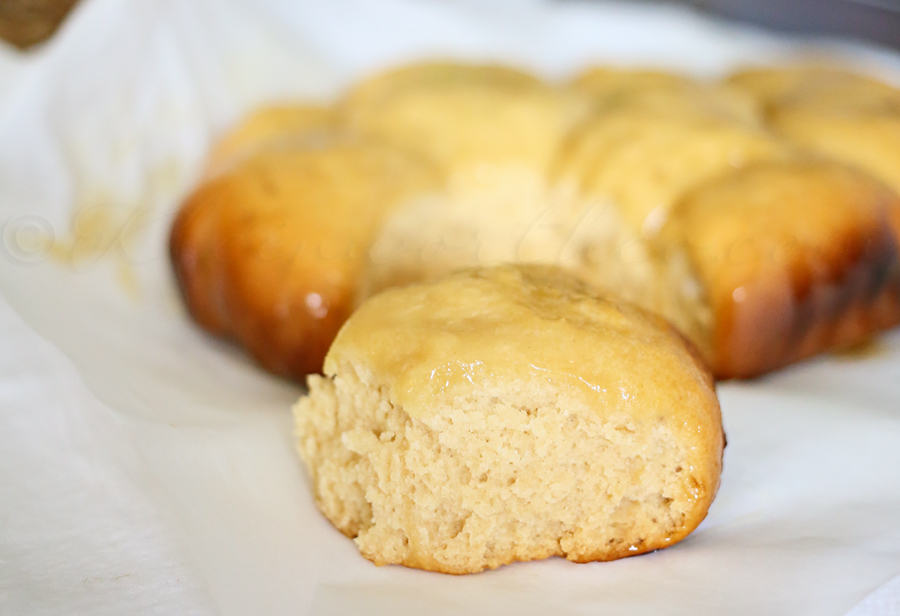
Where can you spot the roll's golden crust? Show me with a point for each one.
(278, 126)
(794, 259)
(269, 252)
(196, 254)
(607, 82)
(198, 236)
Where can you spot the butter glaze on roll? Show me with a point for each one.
(509, 414)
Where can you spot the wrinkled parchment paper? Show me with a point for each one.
(146, 468)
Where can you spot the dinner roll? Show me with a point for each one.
(509, 414)
(780, 261)
(846, 116)
(642, 162)
(269, 251)
(514, 216)
(463, 116)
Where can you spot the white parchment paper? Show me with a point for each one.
(146, 468)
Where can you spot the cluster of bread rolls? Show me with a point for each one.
(525, 290)
(757, 214)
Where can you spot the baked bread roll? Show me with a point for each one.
(780, 261)
(495, 131)
(847, 116)
(269, 251)
(466, 117)
(642, 162)
(509, 414)
(636, 165)
(196, 242)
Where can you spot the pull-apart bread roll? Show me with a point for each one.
(195, 242)
(759, 255)
(642, 162)
(468, 118)
(509, 414)
(514, 216)
(849, 117)
(268, 250)
(632, 167)
(780, 261)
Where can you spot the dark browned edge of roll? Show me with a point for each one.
(832, 304)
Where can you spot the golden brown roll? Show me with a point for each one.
(633, 166)
(846, 116)
(780, 261)
(509, 414)
(465, 116)
(517, 216)
(269, 251)
(196, 240)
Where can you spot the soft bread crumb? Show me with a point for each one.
(510, 473)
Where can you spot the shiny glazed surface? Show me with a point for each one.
(511, 324)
